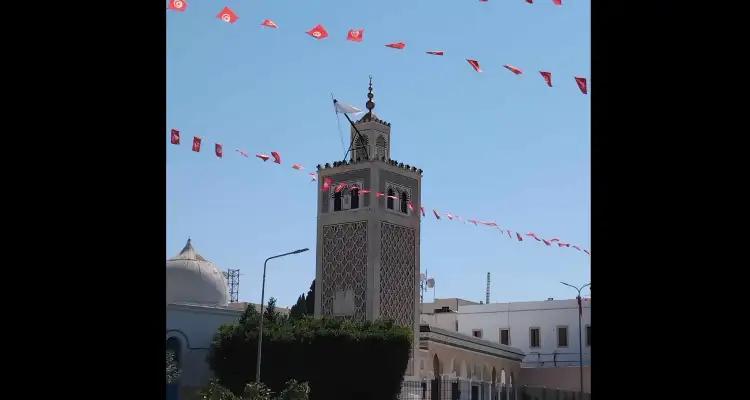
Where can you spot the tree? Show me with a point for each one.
(295, 391)
(251, 314)
(318, 351)
(215, 391)
(256, 391)
(270, 313)
(310, 300)
(299, 309)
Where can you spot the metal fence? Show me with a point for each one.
(541, 393)
(455, 389)
(461, 389)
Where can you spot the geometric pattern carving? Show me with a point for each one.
(344, 265)
(397, 273)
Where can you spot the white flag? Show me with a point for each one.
(346, 109)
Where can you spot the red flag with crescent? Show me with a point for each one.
(175, 136)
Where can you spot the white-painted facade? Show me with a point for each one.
(194, 326)
(487, 320)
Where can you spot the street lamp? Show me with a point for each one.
(262, 297)
(580, 332)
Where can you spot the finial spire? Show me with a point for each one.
(370, 102)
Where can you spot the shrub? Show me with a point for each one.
(256, 391)
(321, 351)
(295, 391)
(173, 373)
(215, 391)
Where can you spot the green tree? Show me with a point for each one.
(256, 391)
(295, 391)
(315, 350)
(215, 391)
(310, 300)
(270, 313)
(250, 314)
(299, 309)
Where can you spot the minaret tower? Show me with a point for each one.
(367, 264)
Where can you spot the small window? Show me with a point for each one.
(588, 335)
(562, 336)
(389, 200)
(505, 337)
(355, 198)
(337, 201)
(534, 337)
(404, 203)
(477, 333)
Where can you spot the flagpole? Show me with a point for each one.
(359, 134)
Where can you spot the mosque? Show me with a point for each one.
(367, 267)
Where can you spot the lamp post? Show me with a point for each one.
(580, 333)
(262, 298)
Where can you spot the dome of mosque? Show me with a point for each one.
(193, 279)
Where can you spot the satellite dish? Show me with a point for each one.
(431, 283)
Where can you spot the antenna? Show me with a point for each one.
(487, 295)
(233, 281)
(424, 284)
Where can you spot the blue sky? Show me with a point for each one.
(493, 145)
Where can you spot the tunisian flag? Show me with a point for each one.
(318, 32)
(196, 144)
(582, 84)
(269, 23)
(474, 64)
(397, 45)
(175, 136)
(327, 184)
(436, 52)
(219, 151)
(178, 5)
(276, 157)
(513, 69)
(227, 15)
(547, 77)
(355, 35)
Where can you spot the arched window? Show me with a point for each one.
(354, 198)
(337, 201)
(389, 200)
(404, 202)
(380, 145)
(361, 147)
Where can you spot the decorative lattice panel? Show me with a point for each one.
(397, 273)
(344, 265)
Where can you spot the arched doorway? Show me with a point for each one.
(435, 387)
(493, 387)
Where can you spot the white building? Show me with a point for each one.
(197, 305)
(546, 331)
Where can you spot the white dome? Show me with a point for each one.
(193, 279)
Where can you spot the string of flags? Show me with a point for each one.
(319, 32)
(328, 183)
